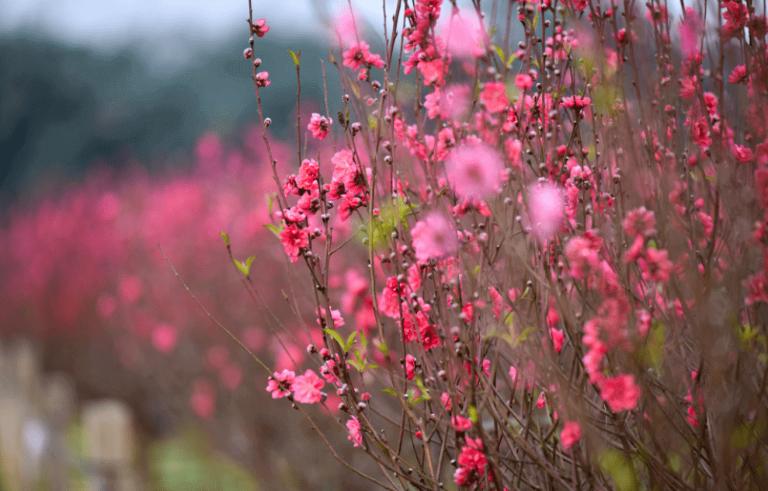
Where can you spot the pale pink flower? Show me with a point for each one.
(319, 126)
(434, 237)
(570, 435)
(354, 434)
(545, 210)
(281, 383)
(449, 102)
(260, 27)
(307, 388)
(262, 79)
(474, 170)
(464, 35)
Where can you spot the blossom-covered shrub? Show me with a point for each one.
(89, 276)
(554, 220)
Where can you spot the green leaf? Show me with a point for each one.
(336, 336)
(274, 229)
(350, 341)
(295, 56)
(244, 266)
(381, 345)
(389, 391)
(653, 353)
(472, 412)
(225, 238)
(499, 52)
(620, 468)
(424, 391)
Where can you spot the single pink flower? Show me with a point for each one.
(260, 27)
(545, 209)
(319, 126)
(570, 435)
(307, 388)
(619, 392)
(523, 81)
(262, 79)
(359, 55)
(434, 237)
(410, 367)
(354, 434)
(460, 423)
(474, 170)
(558, 338)
(294, 239)
(281, 383)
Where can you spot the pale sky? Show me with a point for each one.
(110, 23)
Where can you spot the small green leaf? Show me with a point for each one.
(620, 468)
(389, 391)
(295, 56)
(424, 391)
(350, 341)
(472, 412)
(381, 345)
(245, 266)
(225, 238)
(274, 229)
(653, 353)
(336, 336)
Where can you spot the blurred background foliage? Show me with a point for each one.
(66, 108)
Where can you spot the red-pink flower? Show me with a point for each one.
(743, 154)
(460, 423)
(570, 435)
(410, 367)
(738, 75)
(576, 102)
(307, 388)
(434, 237)
(494, 97)
(523, 81)
(472, 462)
(558, 338)
(294, 239)
(359, 55)
(655, 265)
(260, 27)
(474, 170)
(280, 383)
(354, 434)
(619, 392)
(319, 126)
